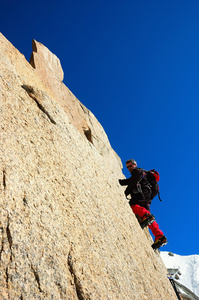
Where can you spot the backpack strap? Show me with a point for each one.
(139, 188)
(159, 196)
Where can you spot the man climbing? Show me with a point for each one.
(139, 189)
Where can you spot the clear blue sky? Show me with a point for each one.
(135, 65)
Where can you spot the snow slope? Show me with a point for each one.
(188, 267)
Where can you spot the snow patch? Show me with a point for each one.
(188, 267)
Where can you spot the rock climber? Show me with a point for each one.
(139, 189)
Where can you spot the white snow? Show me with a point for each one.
(188, 267)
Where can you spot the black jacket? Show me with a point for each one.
(137, 187)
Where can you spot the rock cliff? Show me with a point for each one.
(66, 230)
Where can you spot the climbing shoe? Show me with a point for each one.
(159, 242)
(147, 219)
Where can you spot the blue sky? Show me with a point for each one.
(135, 65)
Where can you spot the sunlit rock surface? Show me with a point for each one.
(66, 229)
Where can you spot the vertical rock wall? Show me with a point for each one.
(66, 230)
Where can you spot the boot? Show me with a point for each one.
(147, 219)
(159, 241)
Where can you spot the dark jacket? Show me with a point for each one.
(138, 188)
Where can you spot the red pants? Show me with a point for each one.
(141, 211)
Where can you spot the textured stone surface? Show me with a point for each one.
(46, 61)
(66, 230)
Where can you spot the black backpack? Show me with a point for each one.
(153, 177)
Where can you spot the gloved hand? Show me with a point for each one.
(120, 181)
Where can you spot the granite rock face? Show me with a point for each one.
(66, 230)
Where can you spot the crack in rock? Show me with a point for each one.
(2, 243)
(4, 179)
(77, 283)
(7, 277)
(31, 92)
(36, 278)
(9, 237)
